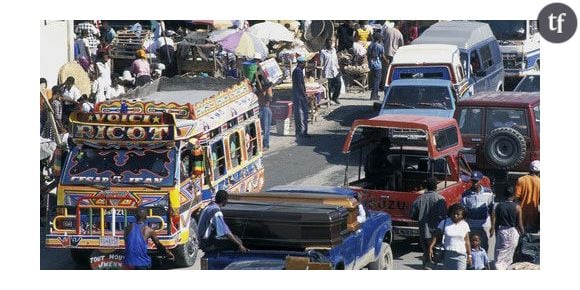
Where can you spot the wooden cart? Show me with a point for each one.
(124, 47)
(197, 58)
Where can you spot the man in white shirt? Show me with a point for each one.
(392, 40)
(104, 70)
(70, 96)
(329, 62)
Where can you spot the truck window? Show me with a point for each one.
(507, 29)
(537, 118)
(474, 61)
(218, 159)
(235, 149)
(470, 121)
(497, 118)
(486, 59)
(251, 140)
(446, 138)
(418, 97)
(104, 166)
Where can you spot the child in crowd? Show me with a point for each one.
(479, 258)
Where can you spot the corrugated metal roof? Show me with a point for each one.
(463, 34)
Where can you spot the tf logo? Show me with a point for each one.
(557, 22)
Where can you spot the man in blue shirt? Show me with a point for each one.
(376, 58)
(136, 236)
(478, 203)
(299, 99)
(213, 232)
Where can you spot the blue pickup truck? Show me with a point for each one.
(324, 225)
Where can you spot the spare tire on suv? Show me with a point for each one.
(505, 148)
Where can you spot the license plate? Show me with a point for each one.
(470, 158)
(109, 242)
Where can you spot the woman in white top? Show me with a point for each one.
(455, 233)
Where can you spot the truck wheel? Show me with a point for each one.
(81, 256)
(186, 254)
(384, 260)
(505, 148)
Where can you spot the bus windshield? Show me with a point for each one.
(508, 29)
(110, 167)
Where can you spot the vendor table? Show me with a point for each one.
(316, 91)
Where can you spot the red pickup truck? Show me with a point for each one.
(398, 153)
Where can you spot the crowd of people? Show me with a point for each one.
(465, 228)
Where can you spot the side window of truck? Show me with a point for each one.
(251, 140)
(470, 121)
(537, 118)
(486, 58)
(510, 118)
(446, 138)
(218, 159)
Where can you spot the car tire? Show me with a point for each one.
(384, 260)
(81, 256)
(505, 148)
(186, 254)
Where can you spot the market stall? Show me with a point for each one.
(124, 47)
(316, 91)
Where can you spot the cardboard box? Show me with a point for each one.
(281, 110)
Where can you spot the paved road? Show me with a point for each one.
(316, 161)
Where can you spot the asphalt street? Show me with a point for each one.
(315, 161)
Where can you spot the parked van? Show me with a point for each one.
(519, 42)
(479, 51)
(429, 61)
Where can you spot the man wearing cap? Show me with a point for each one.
(299, 99)
(527, 191)
(478, 203)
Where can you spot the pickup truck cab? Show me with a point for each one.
(501, 131)
(424, 97)
(290, 229)
(408, 149)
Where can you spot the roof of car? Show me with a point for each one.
(420, 82)
(425, 53)
(502, 99)
(427, 123)
(463, 34)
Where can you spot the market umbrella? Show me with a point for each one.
(243, 43)
(218, 35)
(271, 31)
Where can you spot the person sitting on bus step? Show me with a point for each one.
(380, 170)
